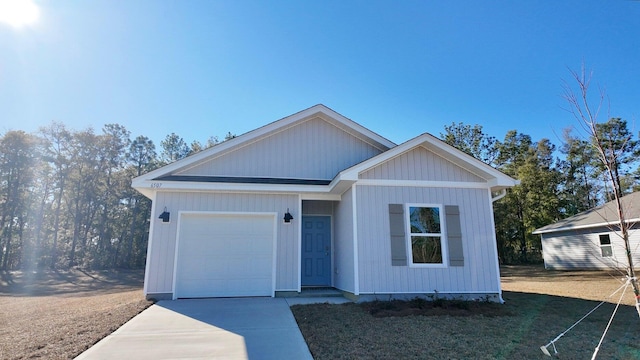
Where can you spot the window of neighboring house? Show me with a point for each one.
(425, 234)
(605, 245)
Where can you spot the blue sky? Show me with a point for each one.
(202, 68)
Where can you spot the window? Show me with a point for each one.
(425, 234)
(605, 245)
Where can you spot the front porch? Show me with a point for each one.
(315, 295)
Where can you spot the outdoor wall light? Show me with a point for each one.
(164, 216)
(287, 217)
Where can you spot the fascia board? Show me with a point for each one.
(195, 158)
(581, 227)
(502, 182)
(306, 194)
(355, 126)
(141, 185)
(149, 185)
(333, 190)
(340, 186)
(150, 194)
(470, 163)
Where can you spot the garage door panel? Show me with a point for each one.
(214, 267)
(240, 244)
(255, 270)
(195, 267)
(217, 288)
(224, 255)
(256, 283)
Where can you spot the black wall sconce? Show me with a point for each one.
(164, 216)
(287, 217)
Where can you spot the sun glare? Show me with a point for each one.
(18, 13)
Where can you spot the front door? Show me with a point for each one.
(316, 251)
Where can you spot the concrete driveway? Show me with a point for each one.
(238, 328)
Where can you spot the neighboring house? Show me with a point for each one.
(316, 199)
(591, 240)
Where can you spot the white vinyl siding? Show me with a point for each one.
(343, 244)
(162, 252)
(420, 164)
(317, 207)
(581, 249)
(314, 149)
(377, 275)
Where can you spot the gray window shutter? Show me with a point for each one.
(398, 239)
(454, 235)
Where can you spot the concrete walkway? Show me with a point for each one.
(238, 328)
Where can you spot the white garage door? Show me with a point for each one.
(225, 255)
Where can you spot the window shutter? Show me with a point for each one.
(398, 239)
(454, 235)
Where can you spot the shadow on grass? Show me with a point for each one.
(530, 320)
(74, 281)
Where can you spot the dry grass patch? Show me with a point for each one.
(527, 321)
(587, 285)
(60, 314)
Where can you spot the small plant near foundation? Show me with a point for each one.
(434, 306)
(418, 303)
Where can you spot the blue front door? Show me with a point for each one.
(316, 251)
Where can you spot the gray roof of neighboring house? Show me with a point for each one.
(599, 216)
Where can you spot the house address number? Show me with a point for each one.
(156, 185)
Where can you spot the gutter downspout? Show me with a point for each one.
(502, 194)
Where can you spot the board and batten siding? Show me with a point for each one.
(317, 207)
(376, 274)
(420, 164)
(580, 249)
(162, 253)
(314, 149)
(343, 277)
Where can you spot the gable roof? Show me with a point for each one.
(168, 172)
(150, 182)
(496, 179)
(315, 111)
(603, 215)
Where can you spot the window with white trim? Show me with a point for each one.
(425, 234)
(605, 245)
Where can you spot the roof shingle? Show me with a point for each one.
(599, 216)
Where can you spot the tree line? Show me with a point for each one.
(66, 198)
(551, 187)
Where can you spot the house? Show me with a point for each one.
(591, 240)
(317, 200)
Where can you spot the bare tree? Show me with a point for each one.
(580, 105)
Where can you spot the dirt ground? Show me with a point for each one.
(58, 315)
(586, 285)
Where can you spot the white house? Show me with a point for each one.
(316, 199)
(591, 240)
